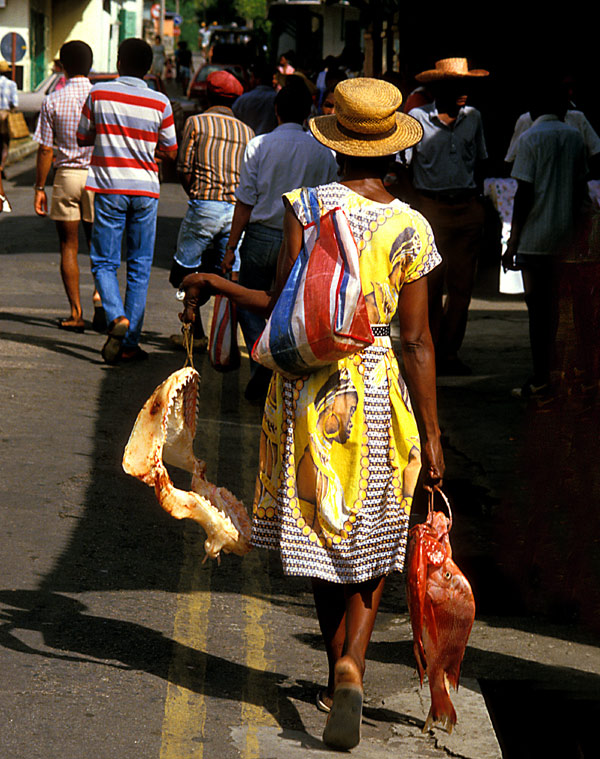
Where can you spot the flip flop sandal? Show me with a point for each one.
(62, 324)
(342, 730)
(321, 705)
(113, 345)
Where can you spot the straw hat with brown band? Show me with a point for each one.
(450, 68)
(366, 121)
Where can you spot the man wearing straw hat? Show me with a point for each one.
(444, 169)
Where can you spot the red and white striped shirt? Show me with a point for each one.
(128, 121)
(57, 125)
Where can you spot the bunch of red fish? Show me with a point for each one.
(442, 611)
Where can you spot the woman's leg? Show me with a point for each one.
(330, 604)
(362, 603)
(346, 615)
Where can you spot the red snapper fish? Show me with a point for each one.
(442, 611)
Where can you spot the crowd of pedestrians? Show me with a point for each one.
(248, 148)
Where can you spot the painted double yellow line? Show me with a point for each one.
(187, 714)
(185, 708)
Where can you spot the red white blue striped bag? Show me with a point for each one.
(321, 314)
(223, 350)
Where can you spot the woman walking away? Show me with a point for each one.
(342, 448)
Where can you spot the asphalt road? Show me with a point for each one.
(116, 640)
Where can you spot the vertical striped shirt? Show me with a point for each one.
(57, 125)
(211, 151)
(128, 121)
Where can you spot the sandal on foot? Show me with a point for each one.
(320, 701)
(116, 332)
(70, 326)
(342, 730)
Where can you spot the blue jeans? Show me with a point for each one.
(113, 215)
(206, 222)
(258, 253)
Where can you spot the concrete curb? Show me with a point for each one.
(20, 149)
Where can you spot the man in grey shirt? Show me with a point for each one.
(274, 163)
(445, 174)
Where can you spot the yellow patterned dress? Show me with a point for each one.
(339, 449)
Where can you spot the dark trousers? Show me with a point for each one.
(259, 252)
(540, 280)
(458, 231)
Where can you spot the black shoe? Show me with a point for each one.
(99, 321)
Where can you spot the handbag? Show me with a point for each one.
(321, 314)
(17, 126)
(223, 350)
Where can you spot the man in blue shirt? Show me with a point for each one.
(274, 163)
(256, 108)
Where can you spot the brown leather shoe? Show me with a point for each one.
(117, 330)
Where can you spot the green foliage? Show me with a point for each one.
(194, 12)
(254, 10)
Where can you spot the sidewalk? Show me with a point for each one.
(20, 149)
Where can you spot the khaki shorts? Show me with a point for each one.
(70, 202)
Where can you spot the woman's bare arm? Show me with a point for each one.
(198, 286)
(418, 356)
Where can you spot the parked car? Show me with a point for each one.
(31, 102)
(197, 86)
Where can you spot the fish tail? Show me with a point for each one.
(441, 711)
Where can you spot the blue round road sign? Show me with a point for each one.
(6, 46)
(177, 20)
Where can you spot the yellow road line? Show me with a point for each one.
(256, 632)
(186, 713)
(185, 706)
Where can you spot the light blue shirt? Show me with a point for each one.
(278, 162)
(445, 158)
(551, 157)
(8, 93)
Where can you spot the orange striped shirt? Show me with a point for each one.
(211, 151)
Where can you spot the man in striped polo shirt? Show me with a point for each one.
(209, 167)
(130, 126)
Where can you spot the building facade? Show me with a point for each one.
(42, 26)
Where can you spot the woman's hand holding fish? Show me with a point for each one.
(433, 464)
